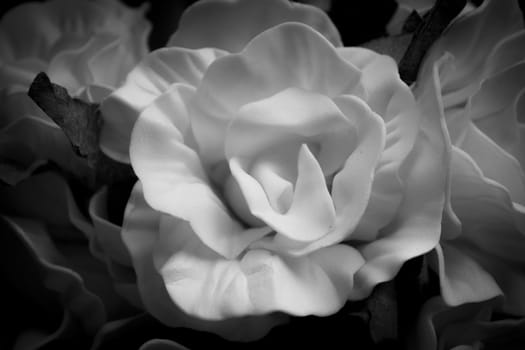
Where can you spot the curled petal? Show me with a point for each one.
(150, 79)
(495, 162)
(176, 183)
(481, 29)
(388, 96)
(311, 214)
(417, 226)
(462, 280)
(31, 198)
(205, 284)
(50, 285)
(106, 233)
(290, 55)
(230, 25)
(141, 234)
(507, 53)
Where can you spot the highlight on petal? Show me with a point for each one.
(205, 284)
(290, 55)
(176, 183)
(146, 82)
(141, 234)
(230, 25)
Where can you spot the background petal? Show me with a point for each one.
(150, 79)
(230, 25)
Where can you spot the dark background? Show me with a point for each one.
(358, 21)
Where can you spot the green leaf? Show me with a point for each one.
(81, 123)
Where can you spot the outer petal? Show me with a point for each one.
(494, 162)
(462, 280)
(230, 25)
(493, 227)
(175, 182)
(38, 280)
(31, 198)
(290, 55)
(417, 226)
(507, 127)
(140, 234)
(468, 184)
(209, 286)
(443, 327)
(482, 29)
(391, 99)
(150, 79)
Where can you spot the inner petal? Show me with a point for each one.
(311, 214)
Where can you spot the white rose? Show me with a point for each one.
(279, 172)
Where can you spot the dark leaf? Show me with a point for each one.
(393, 46)
(443, 12)
(383, 311)
(81, 123)
(79, 120)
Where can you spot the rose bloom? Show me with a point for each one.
(88, 47)
(478, 69)
(280, 173)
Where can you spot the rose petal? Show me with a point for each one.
(474, 28)
(207, 285)
(31, 198)
(462, 280)
(140, 234)
(505, 127)
(311, 214)
(150, 79)
(161, 344)
(494, 162)
(234, 23)
(175, 182)
(507, 53)
(498, 91)
(388, 96)
(68, 67)
(417, 226)
(56, 283)
(509, 277)
(290, 55)
(106, 233)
